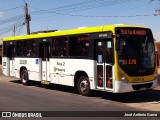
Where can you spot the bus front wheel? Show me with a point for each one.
(84, 86)
(24, 77)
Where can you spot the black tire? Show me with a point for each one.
(24, 77)
(84, 86)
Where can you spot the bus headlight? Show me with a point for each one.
(123, 78)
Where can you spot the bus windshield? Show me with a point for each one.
(136, 52)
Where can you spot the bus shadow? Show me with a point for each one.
(16, 81)
(134, 97)
(131, 97)
(49, 87)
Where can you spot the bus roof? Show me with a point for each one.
(69, 32)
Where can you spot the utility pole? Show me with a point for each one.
(27, 17)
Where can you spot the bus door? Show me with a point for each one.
(104, 58)
(45, 55)
(10, 55)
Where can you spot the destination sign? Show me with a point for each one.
(129, 62)
(83, 38)
(132, 32)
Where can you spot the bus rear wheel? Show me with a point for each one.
(24, 77)
(84, 86)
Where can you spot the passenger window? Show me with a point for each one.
(29, 48)
(19, 48)
(26, 48)
(60, 47)
(79, 45)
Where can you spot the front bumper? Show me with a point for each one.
(121, 87)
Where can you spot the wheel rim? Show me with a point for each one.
(24, 78)
(84, 85)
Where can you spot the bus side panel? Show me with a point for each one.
(31, 65)
(34, 71)
(63, 70)
(5, 66)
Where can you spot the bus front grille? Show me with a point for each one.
(141, 86)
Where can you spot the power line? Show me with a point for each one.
(64, 10)
(11, 9)
(93, 6)
(107, 16)
(82, 6)
(9, 28)
(102, 16)
(25, 18)
(61, 10)
(9, 20)
(65, 7)
(11, 25)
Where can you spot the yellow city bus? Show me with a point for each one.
(114, 58)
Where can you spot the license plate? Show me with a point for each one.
(138, 80)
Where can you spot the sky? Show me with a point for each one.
(71, 14)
